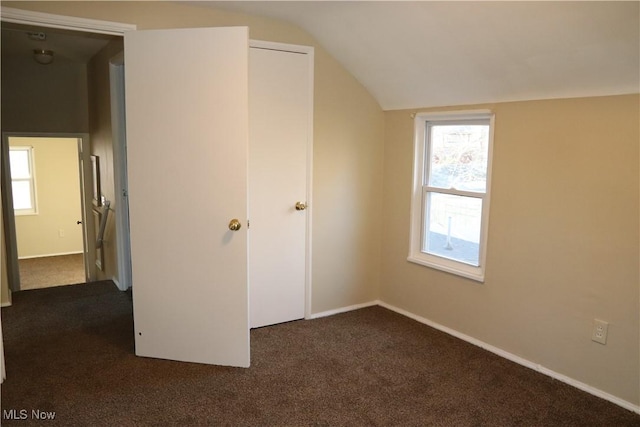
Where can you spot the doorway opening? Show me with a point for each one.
(81, 103)
(43, 184)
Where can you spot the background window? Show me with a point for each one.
(22, 180)
(451, 182)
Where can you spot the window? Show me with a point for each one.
(22, 180)
(450, 205)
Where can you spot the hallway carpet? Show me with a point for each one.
(50, 271)
(70, 351)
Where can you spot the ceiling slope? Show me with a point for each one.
(423, 53)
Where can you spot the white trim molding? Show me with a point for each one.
(517, 359)
(27, 17)
(343, 310)
(51, 255)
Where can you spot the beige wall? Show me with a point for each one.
(58, 199)
(563, 239)
(348, 145)
(37, 98)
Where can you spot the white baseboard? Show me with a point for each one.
(49, 255)
(5, 304)
(342, 310)
(517, 359)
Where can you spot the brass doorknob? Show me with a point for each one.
(300, 206)
(234, 225)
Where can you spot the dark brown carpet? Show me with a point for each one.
(36, 273)
(70, 350)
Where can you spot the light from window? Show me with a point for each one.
(450, 199)
(22, 180)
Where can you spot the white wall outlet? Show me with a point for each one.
(61, 233)
(600, 329)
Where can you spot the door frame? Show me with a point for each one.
(27, 17)
(9, 218)
(309, 52)
(118, 125)
(40, 19)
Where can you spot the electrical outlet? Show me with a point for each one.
(61, 233)
(600, 329)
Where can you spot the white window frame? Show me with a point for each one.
(31, 179)
(416, 255)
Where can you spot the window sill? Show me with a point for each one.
(452, 267)
(25, 213)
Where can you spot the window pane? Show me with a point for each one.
(458, 157)
(452, 228)
(19, 160)
(21, 195)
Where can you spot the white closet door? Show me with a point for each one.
(279, 105)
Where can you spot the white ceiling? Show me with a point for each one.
(422, 53)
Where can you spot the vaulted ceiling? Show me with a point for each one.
(412, 54)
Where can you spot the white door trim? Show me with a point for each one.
(118, 120)
(309, 51)
(28, 17)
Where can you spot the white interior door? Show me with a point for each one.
(279, 105)
(187, 137)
